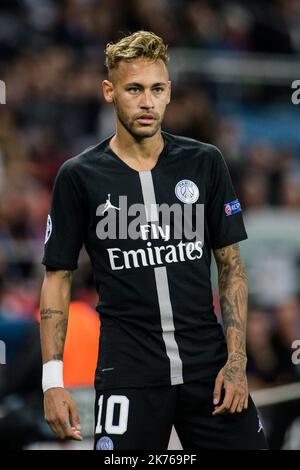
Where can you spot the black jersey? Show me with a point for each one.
(149, 235)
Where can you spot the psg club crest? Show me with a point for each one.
(48, 229)
(105, 443)
(187, 191)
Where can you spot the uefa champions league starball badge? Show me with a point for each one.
(187, 191)
(48, 229)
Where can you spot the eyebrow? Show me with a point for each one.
(140, 85)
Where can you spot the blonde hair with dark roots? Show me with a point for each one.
(142, 44)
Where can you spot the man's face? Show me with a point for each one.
(140, 90)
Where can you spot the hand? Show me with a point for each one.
(61, 414)
(233, 378)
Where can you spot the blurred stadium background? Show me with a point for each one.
(232, 65)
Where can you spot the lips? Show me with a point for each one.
(146, 119)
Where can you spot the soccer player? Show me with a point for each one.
(150, 207)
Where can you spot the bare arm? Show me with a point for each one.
(60, 409)
(233, 288)
(54, 309)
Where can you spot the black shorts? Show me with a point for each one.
(142, 419)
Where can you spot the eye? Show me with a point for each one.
(133, 90)
(158, 89)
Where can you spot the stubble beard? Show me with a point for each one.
(136, 130)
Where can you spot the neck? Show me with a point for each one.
(139, 150)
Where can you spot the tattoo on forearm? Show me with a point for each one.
(239, 340)
(57, 357)
(234, 303)
(233, 295)
(229, 308)
(49, 313)
(233, 287)
(60, 335)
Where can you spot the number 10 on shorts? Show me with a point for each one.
(109, 427)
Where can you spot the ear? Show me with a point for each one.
(108, 91)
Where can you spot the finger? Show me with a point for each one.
(77, 435)
(235, 404)
(67, 432)
(74, 416)
(65, 428)
(240, 406)
(218, 389)
(56, 427)
(221, 410)
(53, 423)
(225, 406)
(53, 428)
(246, 402)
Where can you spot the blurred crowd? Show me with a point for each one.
(52, 61)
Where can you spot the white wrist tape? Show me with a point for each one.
(52, 375)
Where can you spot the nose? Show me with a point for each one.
(146, 100)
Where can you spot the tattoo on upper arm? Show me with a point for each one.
(67, 275)
(59, 274)
(48, 313)
(228, 260)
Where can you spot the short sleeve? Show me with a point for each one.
(223, 209)
(65, 224)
